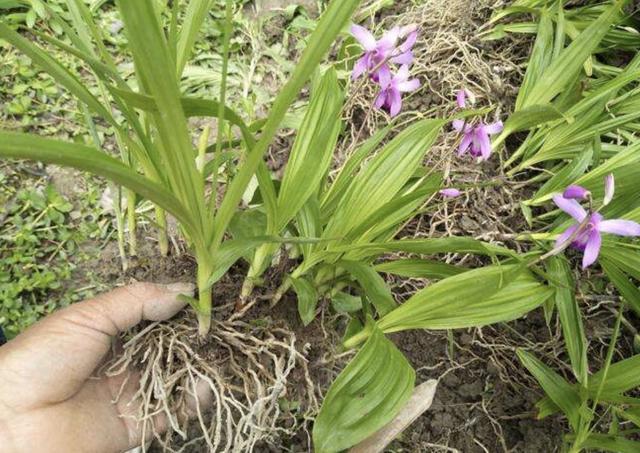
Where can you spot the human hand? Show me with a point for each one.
(50, 400)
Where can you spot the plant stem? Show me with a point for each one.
(357, 339)
(255, 270)
(204, 297)
(120, 226)
(204, 312)
(131, 222)
(163, 236)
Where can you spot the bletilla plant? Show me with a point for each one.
(162, 145)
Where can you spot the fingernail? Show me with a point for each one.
(182, 288)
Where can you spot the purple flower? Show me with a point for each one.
(575, 192)
(609, 188)
(475, 138)
(390, 96)
(587, 233)
(404, 54)
(379, 52)
(461, 98)
(450, 193)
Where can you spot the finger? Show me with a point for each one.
(59, 353)
(197, 399)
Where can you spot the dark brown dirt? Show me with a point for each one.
(481, 404)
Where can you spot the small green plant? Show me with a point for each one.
(40, 248)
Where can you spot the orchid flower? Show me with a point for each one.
(390, 96)
(476, 138)
(450, 193)
(379, 52)
(586, 236)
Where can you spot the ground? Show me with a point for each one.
(485, 399)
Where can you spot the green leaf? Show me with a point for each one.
(531, 117)
(194, 18)
(312, 150)
(570, 317)
(610, 443)
(621, 377)
(231, 251)
(472, 299)
(431, 246)
(25, 146)
(337, 190)
(383, 178)
(308, 223)
(627, 289)
(417, 268)
(418, 246)
(389, 217)
(564, 177)
(539, 60)
(373, 285)
(335, 17)
(191, 106)
(559, 390)
(367, 395)
(562, 72)
(307, 299)
(346, 303)
(157, 76)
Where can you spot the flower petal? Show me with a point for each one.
(575, 192)
(458, 125)
(484, 142)
(592, 250)
(609, 188)
(408, 86)
(408, 43)
(465, 143)
(564, 237)
(364, 37)
(396, 103)
(383, 74)
(461, 98)
(389, 40)
(450, 193)
(381, 99)
(620, 227)
(571, 207)
(360, 67)
(494, 128)
(403, 58)
(402, 75)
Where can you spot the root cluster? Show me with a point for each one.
(244, 370)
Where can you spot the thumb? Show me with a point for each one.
(72, 342)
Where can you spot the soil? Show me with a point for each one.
(479, 405)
